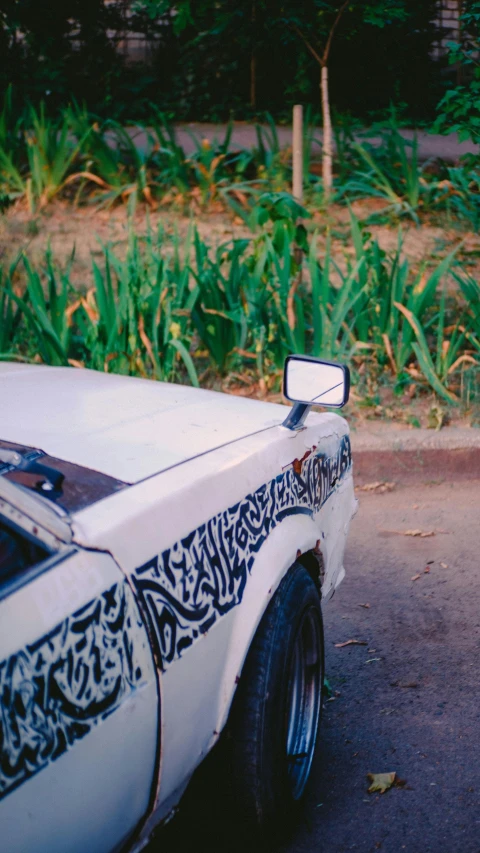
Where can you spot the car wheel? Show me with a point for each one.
(276, 711)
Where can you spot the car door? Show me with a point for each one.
(78, 696)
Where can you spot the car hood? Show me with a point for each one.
(127, 428)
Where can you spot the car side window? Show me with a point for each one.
(17, 553)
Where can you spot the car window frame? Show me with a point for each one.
(54, 556)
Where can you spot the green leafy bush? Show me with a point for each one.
(172, 309)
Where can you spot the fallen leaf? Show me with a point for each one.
(427, 570)
(350, 643)
(380, 782)
(364, 605)
(415, 578)
(444, 565)
(380, 487)
(421, 533)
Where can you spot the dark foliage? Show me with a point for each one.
(200, 66)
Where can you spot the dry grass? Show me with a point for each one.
(65, 228)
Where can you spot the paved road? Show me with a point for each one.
(244, 136)
(409, 699)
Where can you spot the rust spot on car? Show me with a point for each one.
(297, 463)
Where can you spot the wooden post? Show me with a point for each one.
(297, 153)
(297, 192)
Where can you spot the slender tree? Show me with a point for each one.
(316, 25)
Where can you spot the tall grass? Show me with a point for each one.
(172, 309)
(80, 157)
(390, 171)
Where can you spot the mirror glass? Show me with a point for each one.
(315, 382)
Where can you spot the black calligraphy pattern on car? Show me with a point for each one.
(55, 690)
(199, 579)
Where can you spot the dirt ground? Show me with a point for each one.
(65, 228)
(406, 701)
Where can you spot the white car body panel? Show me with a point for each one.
(51, 794)
(124, 427)
(166, 508)
(225, 500)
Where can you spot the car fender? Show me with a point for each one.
(296, 535)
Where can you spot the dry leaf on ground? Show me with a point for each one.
(380, 782)
(380, 487)
(415, 578)
(444, 565)
(422, 533)
(350, 643)
(364, 605)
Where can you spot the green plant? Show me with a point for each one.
(471, 292)
(437, 367)
(208, 164)
(46, 309)
(112, 161)
(393, 174)
(270, 160)
(169, 303)
(135, 319)
(217, 313)
(10, 313)
(459, 193)
(459, 109)
(334, 308)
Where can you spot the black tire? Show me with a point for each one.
(268, 781)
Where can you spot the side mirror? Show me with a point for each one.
(309, 381)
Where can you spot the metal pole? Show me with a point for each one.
(297, 149)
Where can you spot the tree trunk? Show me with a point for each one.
(327, 148)
(253, 61)
(253, 80)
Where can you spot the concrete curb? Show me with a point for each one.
(382, 453)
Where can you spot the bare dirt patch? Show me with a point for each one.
(84, 229)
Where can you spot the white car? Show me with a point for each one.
(163, 551)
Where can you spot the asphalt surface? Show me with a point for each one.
(245, 136)
(407, 701)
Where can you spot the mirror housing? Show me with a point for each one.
(310, 382)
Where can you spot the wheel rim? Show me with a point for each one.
(304, 701)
